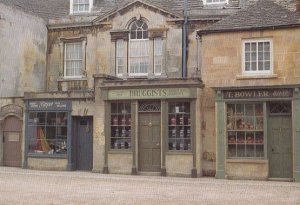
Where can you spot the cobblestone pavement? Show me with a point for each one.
(19, 186)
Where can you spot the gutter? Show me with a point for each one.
(184, 41)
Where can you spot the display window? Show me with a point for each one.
(245, 130)
(120, 126)
(48, 133)
(179, 126)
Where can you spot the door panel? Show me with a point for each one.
(12, 149)
(280, 146)
(85, 144)
(149, 142)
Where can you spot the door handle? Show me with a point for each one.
(272, 150)
(157, 144)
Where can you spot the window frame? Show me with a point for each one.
(213, 3)
(257, 71)
(82, 60)
(258, 139)
(180, 126)
(61, 123)
(90, 5)
(120, 54)
(159, 55)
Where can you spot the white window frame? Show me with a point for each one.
(91, 2)
(120, 55)
(139, 57)
(157, 55)
(257, 71)
(82, 60)
(215, 2)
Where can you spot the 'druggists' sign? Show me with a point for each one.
(49, 105)
(263, 93)
(153, 93)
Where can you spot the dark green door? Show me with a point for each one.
(280, 147)
(149, 142)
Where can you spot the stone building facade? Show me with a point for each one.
(251, 72)
(126, 86)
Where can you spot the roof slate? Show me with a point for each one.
(58, 9)
(263, 14)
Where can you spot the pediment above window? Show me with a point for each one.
(119, 34)
(157, 32)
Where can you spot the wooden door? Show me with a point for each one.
(280, 147)
(149, 142)
(85, 144)
(12, 142)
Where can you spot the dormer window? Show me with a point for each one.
(215, 1)
(80, 6)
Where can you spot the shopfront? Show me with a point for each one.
(152, 128)
(258, 133)
(48, 134)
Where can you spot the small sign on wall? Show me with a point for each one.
(264, 93)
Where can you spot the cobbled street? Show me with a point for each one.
(20, 186)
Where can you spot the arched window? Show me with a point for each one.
(138, 48)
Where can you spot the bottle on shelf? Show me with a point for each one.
(173, 120)
(115, 121)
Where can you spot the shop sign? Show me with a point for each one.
(49, 105)
(264, 93)
(154, 93)
(17, 110)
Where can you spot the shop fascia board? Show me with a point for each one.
(63, 95)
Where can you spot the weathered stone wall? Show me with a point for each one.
(100, 49)
(23, 40)
(222, 67)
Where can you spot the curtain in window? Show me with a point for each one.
(73, 60)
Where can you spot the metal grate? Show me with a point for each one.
(149, 107)
(280, 108)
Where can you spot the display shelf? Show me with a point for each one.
(245, 130)
(179, 126)
(120, 126)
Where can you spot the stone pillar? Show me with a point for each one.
(220, 135)
(198, 133)
(164, 136)
(296, 131)
(1, 142)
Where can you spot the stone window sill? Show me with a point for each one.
(247, 161)
(62, 79)
(258, 76)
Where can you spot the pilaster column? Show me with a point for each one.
(296, 131)
(220, 135)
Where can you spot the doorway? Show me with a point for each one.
(83, 132)
(12, 142)
(280, 141)
(149, 142)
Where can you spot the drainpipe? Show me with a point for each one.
(184, 41)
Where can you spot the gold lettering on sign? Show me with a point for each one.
(272, 93)
(155, 93)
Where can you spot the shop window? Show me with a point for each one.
(120, 126)
(245, 130)
(179, 126)
(257, 57)
(47, 132)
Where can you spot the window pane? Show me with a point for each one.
(267, 46)
(247, 56)
(73, 58)
(253, 47)
(50, 137)
(267, 65)
(247, 66)
(253, 66)
(260, 65)
(247, 46)
(261, 46)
